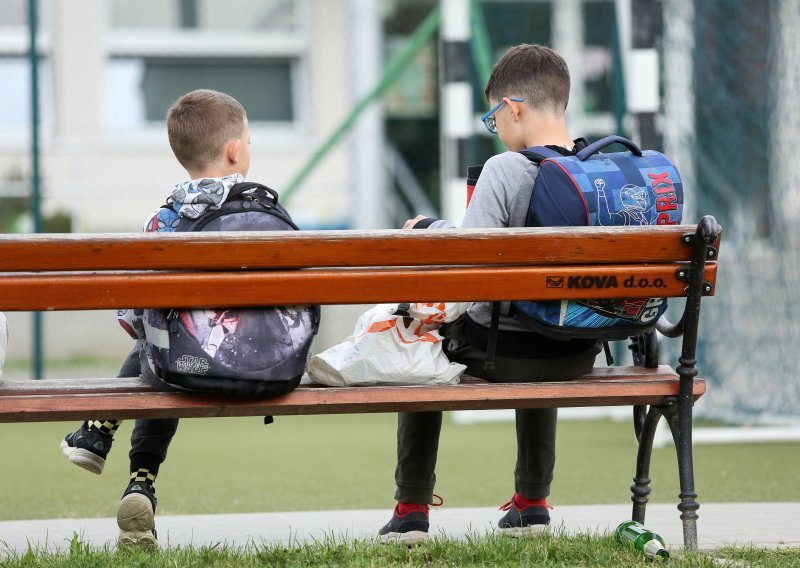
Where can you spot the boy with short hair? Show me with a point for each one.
(528, 91)
(209, 135)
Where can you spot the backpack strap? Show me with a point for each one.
(609, 357)
(238, 189)
(585, 153)
(265, 197)
(537, 154)
(491, 344)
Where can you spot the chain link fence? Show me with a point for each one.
(741, 121)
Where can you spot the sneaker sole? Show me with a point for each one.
(523, 532)
(136, 519)
(83, 458)
(130, 539)
(135, 514)
(407, 538)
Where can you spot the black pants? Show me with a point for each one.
(418, 432)
(151, 436)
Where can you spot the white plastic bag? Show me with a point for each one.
(392, 345)
(3, 340)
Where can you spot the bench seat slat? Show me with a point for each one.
(620, 386)
(308, 249)
(13, 387)
(331, 286)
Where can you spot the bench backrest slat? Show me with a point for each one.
(319, 249)
(58, 291)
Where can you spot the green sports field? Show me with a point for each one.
(347, 462)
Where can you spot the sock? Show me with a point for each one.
(106, 427)
(403, 509)
(143, 476)
(523, 503)
(144, 467)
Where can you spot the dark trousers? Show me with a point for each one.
(149, 436)
(418, 432)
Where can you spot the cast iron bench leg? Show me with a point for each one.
(680, 424)
(641, 482)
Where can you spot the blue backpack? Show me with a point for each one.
(588, 188)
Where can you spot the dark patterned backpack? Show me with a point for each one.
(261, 351)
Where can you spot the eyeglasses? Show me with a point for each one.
(488, 118)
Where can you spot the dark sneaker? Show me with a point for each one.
(87, 448)
(520, 522)
(408, 529)
(136, 517)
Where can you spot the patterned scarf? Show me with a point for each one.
(191, 199)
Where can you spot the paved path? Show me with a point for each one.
(760, 524)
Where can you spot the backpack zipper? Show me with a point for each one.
(172, 320)
(257, 200)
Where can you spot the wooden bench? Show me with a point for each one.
(80, 272)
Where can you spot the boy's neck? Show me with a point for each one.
(547, 130)
(211, 173)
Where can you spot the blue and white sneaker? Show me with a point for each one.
(407, 529)
(523, 521)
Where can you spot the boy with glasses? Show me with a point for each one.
(528, 91)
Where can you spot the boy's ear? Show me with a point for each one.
(514, 106)
(232, 151)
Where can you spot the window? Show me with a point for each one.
(15, 110)
(15, 14)
(233, 15)
(159, 50)
(140, 90)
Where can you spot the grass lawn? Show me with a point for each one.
(546, 550)
(347, 462)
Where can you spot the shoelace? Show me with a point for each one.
(412, 507)
(507, 506)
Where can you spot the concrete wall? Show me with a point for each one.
(109, 181)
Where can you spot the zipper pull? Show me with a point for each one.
(172, 319)
(266, 206)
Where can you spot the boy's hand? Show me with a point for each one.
(411, 222)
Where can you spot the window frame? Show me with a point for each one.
(205, 43)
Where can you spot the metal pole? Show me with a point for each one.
(33, 22)
(482, 55)
(567, 17)
(618, 102)
(456, 107)
(394, 69)
(679, 98)
(367, 136)
(641, 67)
(784, 93)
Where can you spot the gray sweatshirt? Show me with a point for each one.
(501, 199)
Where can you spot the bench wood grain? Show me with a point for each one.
(54, 400)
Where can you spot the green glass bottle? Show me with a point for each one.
(643, 541)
